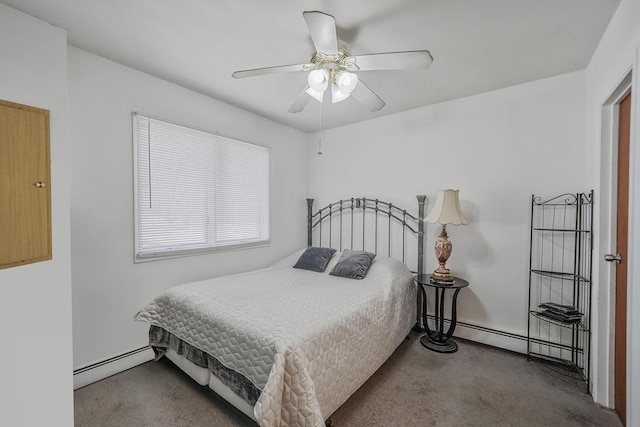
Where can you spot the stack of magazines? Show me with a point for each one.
(560, 313)
(442, 280)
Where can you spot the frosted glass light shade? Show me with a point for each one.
(447, 210)
(337, 95)
(318, 81)
(346, 82)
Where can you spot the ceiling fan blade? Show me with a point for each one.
(322, 28)
(417, 59)
(301, 101)
(367, 98)
(268, 70)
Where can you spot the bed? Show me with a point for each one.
(288, 346)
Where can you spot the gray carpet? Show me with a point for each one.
(477, 386)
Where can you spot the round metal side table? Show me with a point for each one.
(437, 339)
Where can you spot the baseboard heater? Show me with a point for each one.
(505, 334)
(97, 371)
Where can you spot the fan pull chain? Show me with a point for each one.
(320, 132)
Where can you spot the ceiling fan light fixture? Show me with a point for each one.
(346, 81)
(337, 95)
(318, 80)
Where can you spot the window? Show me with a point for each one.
(196, 191)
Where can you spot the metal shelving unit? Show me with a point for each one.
(560, 273)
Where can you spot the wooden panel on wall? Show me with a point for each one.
(25, 191)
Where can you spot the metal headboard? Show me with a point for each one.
(366, 224)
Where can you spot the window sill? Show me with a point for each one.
(159, 256)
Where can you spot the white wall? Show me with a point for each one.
(497, 148)
(35, 299)
(108, 288)
(615, 57)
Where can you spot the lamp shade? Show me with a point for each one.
(318, 81)
(447, 209)
(337, 95)
(346, 82)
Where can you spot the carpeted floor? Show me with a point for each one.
(477, 386)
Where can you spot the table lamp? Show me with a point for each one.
(445, 211)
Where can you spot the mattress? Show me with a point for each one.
(305, 340)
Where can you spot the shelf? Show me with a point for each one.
(560, 365)
(560, 268)
(560, 275)
(572, 325)
(561, 230)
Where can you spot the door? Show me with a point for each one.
(25, 195)
(620, 367)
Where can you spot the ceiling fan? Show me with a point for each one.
(332, 65)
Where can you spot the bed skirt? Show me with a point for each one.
(160, 340)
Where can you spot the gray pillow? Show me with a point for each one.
(353, 264)
(315, 259)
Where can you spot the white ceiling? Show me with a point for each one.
(477, 45)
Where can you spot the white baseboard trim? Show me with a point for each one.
(493, 338)
(104, 368)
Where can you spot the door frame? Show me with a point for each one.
(633, 274)
(605, 286)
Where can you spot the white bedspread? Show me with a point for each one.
(307, 340)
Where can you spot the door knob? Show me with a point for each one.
(617, 258)
(40, 184)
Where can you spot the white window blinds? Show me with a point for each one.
(196, 191)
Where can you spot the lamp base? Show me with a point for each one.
(441, 272)
(443, 249)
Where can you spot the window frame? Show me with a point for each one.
(170, 254)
